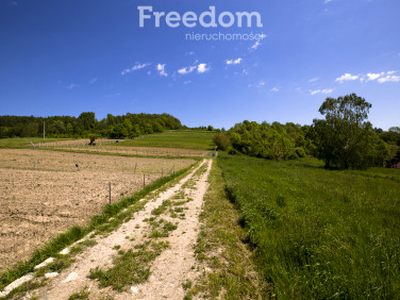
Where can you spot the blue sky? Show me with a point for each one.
(65, 57)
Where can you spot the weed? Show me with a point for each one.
(187, 284)
(83, 294)
(131, 267)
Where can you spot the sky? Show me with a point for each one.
(172, 56)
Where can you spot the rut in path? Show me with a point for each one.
(172, 268)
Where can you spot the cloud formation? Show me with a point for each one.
(382, 77)
(136, 67)
(258, 43)
(347, 77)
(72, 86)
(161, 70)
(234, 61)
(202, 68)
(314, 79)
(323, 92)
(259, 84)
(275, 89)
(187, 70)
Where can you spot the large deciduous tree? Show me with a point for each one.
(345, 138)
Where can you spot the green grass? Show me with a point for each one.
(25, 142)
(131, 267)
(319, 234)
(83, 294)
(219, 246)
(180, 139)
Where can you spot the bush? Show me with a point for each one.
(221, 140)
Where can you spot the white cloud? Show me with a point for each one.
(314, 79)
(275, 89)
(373, 76)
(324, 92)
(381, 77)
(202, 68)
(136, 67)
(255, 46)
(234, 61)
(327, 1)
(187, 70)
(259, 84)
(347, 77)
(93, 80)
(389, 78)
(72, 86)
(187, 82)
(258, 43)
(161, 70)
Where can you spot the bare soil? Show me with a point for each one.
(106, 147)
(80, 142)
(174, 267)
(43, 193)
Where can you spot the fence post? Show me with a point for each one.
(109, 192)
(144, 181)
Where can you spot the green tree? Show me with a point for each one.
(87, 120)
(70, 129)
(221, 140)
(345, 139)
(395, 129)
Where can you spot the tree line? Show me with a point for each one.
(126, 126)
(343, 140)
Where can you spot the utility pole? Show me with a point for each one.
(44, 130)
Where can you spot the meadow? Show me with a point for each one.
(317, 233)
(179, 139)
(25, 142)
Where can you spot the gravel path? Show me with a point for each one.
(172, 268)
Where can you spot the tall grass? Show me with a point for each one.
(319, 233)
(181, 139)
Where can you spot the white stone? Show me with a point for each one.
(134, 289)
(65, 251)
(71, 277)
(45, 263)
(15, 284)
(51, 275)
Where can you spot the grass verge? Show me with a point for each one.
(231, 273)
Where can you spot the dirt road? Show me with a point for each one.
(170, 218)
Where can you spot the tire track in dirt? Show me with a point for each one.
(169, 271)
